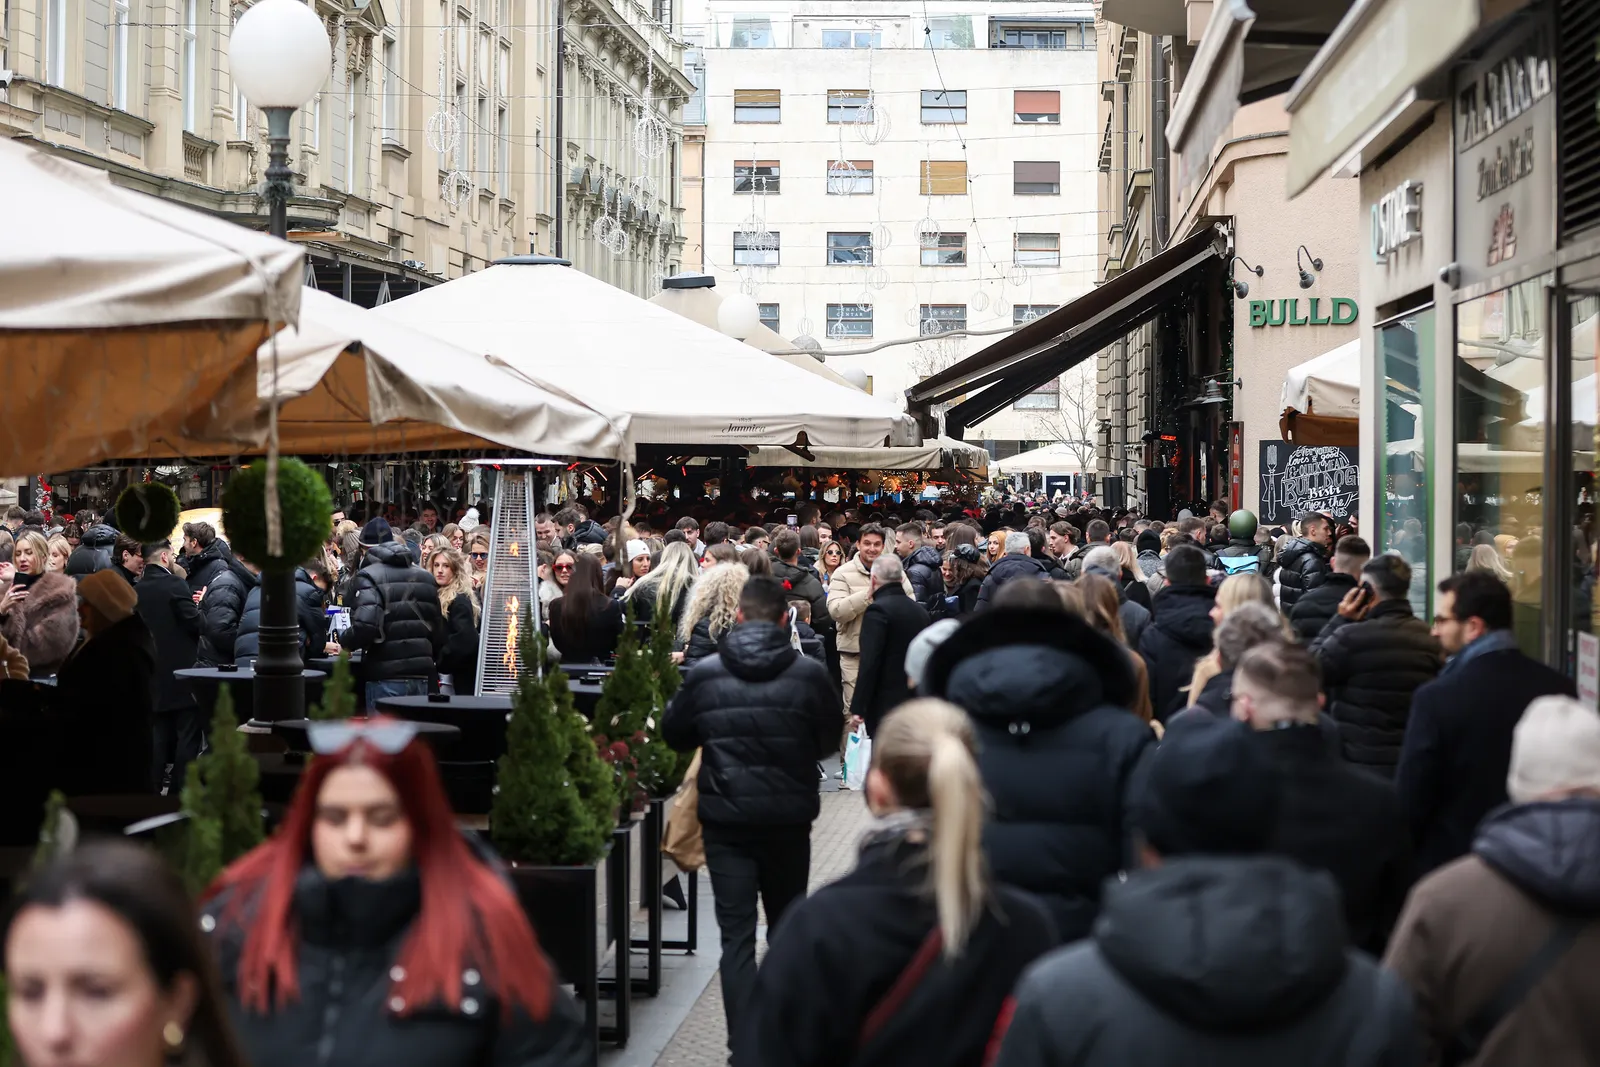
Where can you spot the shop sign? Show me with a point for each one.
(1316, 311)
(1396, 220)
(1505, 186)
(1296, 479)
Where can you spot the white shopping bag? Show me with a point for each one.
(857, 758)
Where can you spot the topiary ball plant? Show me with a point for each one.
(303, 500)
(148, 512)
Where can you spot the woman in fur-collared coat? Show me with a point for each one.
(38, 608)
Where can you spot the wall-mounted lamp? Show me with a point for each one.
(1306, 279)
(1213, 393)
(1242, 289)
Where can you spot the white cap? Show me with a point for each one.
(469, 521)
(1556, 747)
(921, 648)
(636, 549)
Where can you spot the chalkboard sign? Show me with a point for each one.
(1296, 479)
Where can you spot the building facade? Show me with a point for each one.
(900, 187)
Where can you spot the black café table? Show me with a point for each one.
(207, 681)
(358, 674)
(480, 720)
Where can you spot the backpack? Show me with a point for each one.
(1232, 565)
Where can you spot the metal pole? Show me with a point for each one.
(558, 153)
(280, 691)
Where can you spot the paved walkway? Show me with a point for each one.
(701, 1040)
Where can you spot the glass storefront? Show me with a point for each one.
(1500, 376)
(1405, 438)
(1582, 312)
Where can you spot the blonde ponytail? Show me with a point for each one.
(925, 749)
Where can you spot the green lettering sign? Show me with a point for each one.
(1258, 312)
(1323, 321)
(1341, 305)
(1294, 314)
(1287, 312)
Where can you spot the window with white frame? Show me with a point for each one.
(753, 32)
(941, 107)
(354, 156)
(482, 162)
(849, 105)
(241, 115)
(191, 31)
(1032, 107)
(849, 249)
(1036, 178)
(120, 73)
(757, 105)
(952, 31)
(756, 176)
(391, 90)
(505, 72)
(944, 250)
(56, 41)
(749, 251)
(1045, 398)
(852, 39)
(853, 321)
(1049, 35)
(1037, 250)
(316, 122)
(503, 151)
(769, 316)
(942, 318)
(850, 177)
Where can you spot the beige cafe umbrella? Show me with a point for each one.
(123, 316)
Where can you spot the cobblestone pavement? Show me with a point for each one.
(702, 1040)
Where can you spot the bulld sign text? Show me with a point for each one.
(1313, 311)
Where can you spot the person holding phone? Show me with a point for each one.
(38, 607)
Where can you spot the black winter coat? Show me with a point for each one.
(1009, 568)
(762, 715)
(169, 613)
(1457, 749)
(350, 935)
(396, 619)
(1370, 670)
(1313, 610)
(106, 694)
(1346, 821)
(927, 579)
(309, 614)
(1057, 748)
(863, 931)
(1302, 567)
(587, 532)
(93, 552)
(1179, 634)
(805, 585)
(596, 641)
(888, 626)
(960, 601)
(227, 584)
(702, 644)
(459, 658)
(1212, 961)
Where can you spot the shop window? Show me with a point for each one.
(1581, 312)
(1405, 354)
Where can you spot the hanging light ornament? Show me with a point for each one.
(842, 177)
(1017, 276)
(877, 278)
(651, 137)
(882, 236)
(872, 123)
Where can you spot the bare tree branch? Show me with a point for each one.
(1076, 421)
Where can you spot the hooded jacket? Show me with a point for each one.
(396, 620)
(1473, 923)
(1010, 567)
(762, 715)
(1057, 747)
(1370, 671)
(227, 584)
(923, 568)
(1213, 960)
(93, 552)
(1179, 633)
(1302, 567)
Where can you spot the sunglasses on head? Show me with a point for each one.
(387, 736)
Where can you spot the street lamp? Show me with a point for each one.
(280, 58)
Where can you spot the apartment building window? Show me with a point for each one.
(316, 123)
(354, 98)
(241, 115)
(482, 160)
(694, 65)
(120, 17)
(944, 250)
(757, 105)
(485, 50)
(1038, 250)
(755, 176)
(849, 105)
(852, 39)
(1045, 398)
(954, 31)
(751, 33)
(769, 316)
(850, 177)
(391, 90)
(850, 320)
(748, 252)
(942, 107)
(56, 42)
(505, 72)
(942, 318)
(1050, 36)
(1036, 106)
(1022, 314)
(849, 249)
(1039, 178)
(944, 177)
(190, 90)
(503, 151)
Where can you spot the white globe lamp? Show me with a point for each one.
(855, 376)
(738, 316)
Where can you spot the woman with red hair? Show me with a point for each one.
(369, 931)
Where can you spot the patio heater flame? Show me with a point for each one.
(513, 626)
(514, 548)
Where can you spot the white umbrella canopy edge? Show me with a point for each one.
(681, 382)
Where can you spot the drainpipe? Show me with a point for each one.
(560, 153)
(1158, 120)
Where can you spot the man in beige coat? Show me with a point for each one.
(849, 596)
(1501, 947)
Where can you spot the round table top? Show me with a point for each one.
(239, 674)
(326, 662)
(460, 703)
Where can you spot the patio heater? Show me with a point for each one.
(511, 585)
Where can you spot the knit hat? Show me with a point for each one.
(1211, 789)
(637, 548)
(1556, 746)
(469, 521)
(110, 594)
(376, 532)
(922, 646)
(1148, 541)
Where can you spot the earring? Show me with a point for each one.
(172, 1034)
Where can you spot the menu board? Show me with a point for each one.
(1296, 479)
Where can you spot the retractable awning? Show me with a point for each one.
(1053, 344)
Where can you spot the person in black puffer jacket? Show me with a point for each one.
(1313, 610)
(1180, 629)
(93, 552)
(309, 602)
(1375, 653)
(923, 565)
(1303, 561)
(1015, 565)
(224, 583)
(762, 715)
(1057, 748)
(396, 620)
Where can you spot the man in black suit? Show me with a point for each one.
(1457, 748)
(169, 611)
(888, 626)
